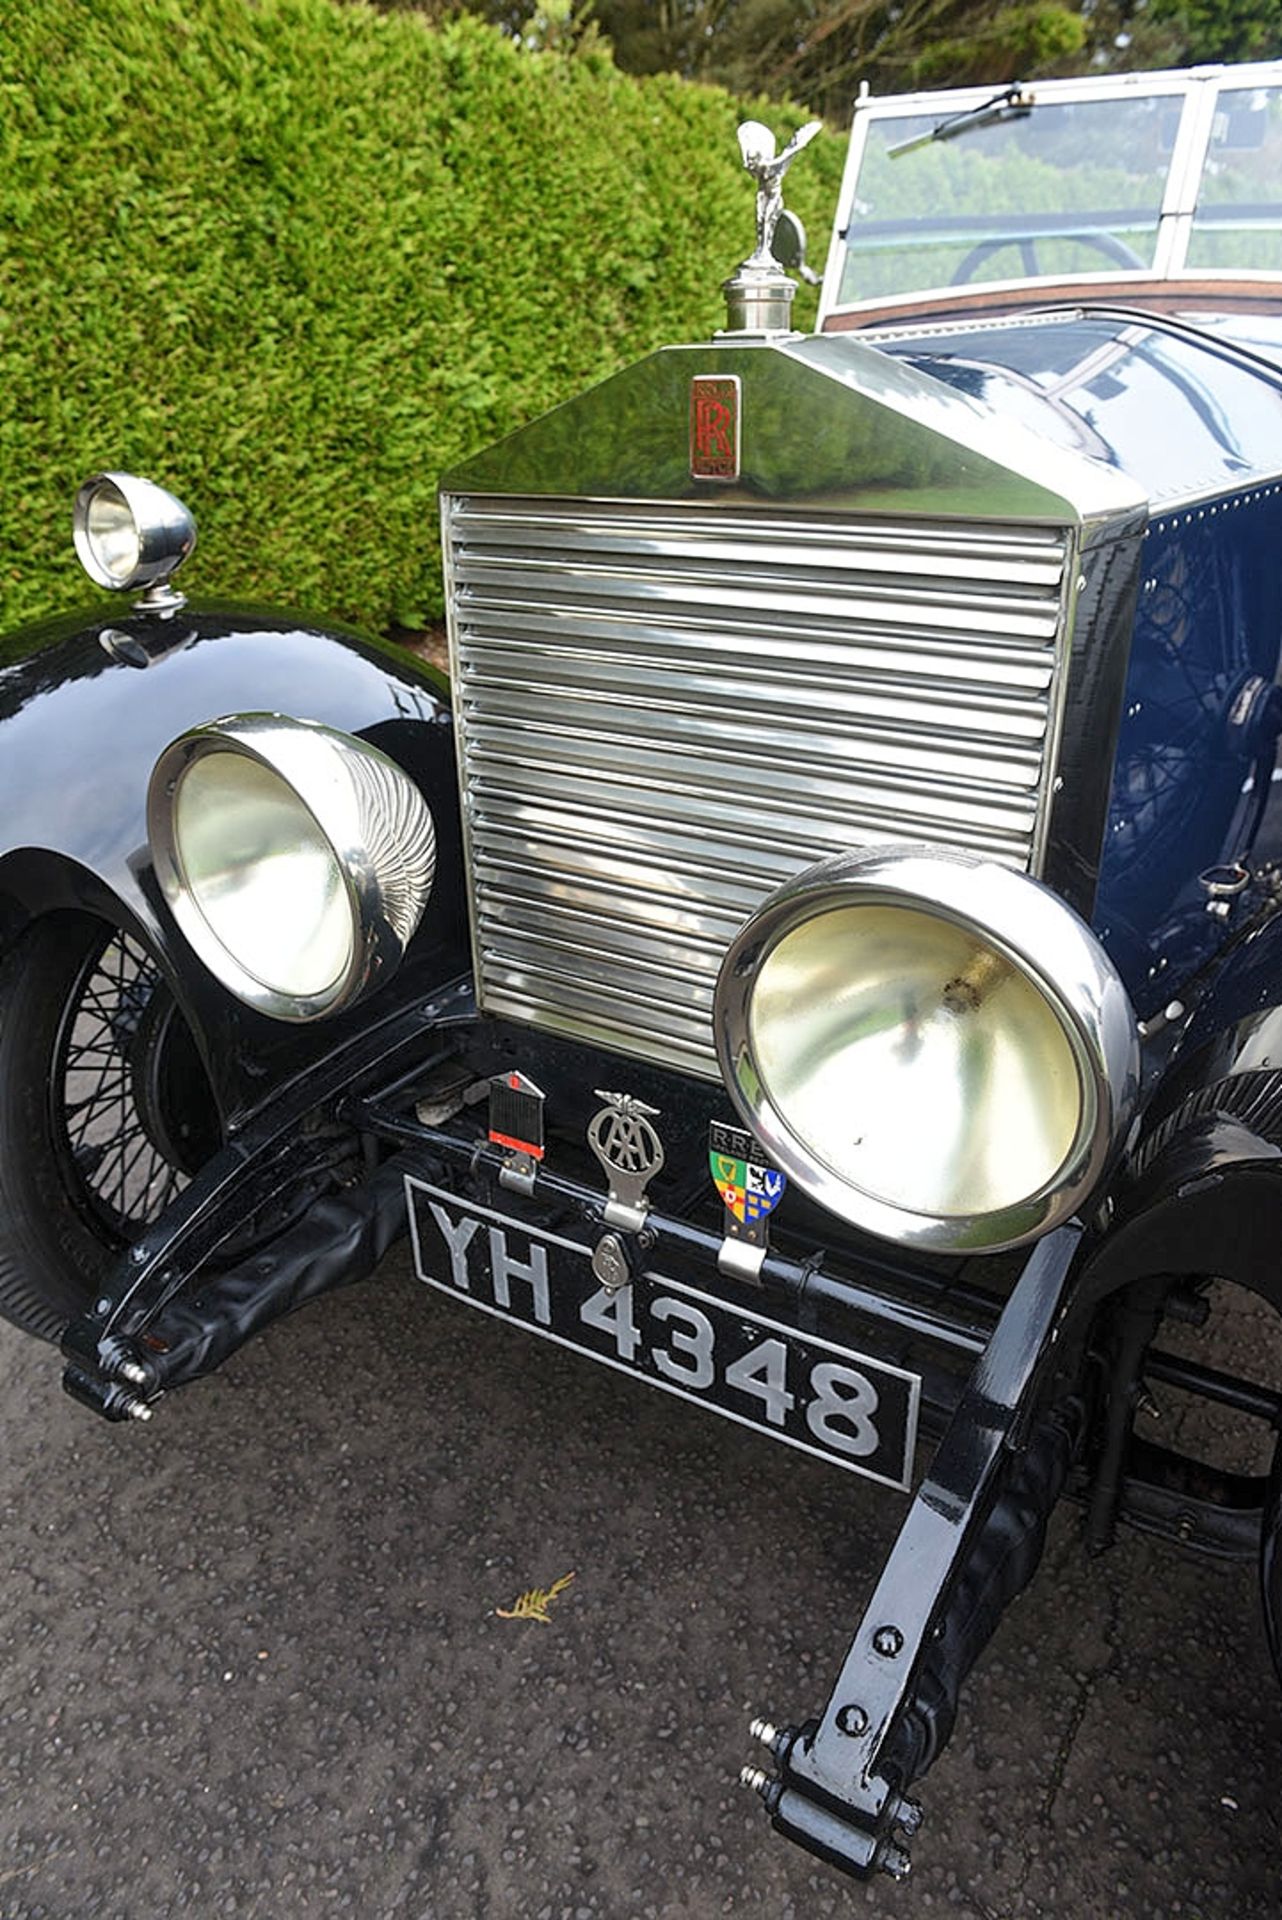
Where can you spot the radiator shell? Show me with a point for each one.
(673, 694)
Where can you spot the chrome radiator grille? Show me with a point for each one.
(666, 711)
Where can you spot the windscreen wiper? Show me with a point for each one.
(1011, 104)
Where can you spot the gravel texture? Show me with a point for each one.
(253, 1667)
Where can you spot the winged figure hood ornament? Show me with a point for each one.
(757, 145)
(759, 295)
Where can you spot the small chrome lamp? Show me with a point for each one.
(130, 533)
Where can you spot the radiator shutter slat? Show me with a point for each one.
(664, 712)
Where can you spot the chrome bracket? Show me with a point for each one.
(742, 1258)
(518, 1173)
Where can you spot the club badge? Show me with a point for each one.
(622, 1137)
(750, 1190)
(516, 1124)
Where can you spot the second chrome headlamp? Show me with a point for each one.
(933, 1046)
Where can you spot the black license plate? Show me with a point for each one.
(807, 1392)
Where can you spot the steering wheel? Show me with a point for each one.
(1106, 243)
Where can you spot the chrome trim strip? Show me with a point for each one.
(451, 639)
(1095, 655)
(831, 287)
(1074, 582)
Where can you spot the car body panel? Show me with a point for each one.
(1185, 416)
(1199, 426)
(88, 702)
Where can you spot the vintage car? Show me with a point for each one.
(821, 952)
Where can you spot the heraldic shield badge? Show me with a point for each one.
(749, 1188)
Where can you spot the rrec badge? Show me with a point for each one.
(714, 426)
(749, 1188)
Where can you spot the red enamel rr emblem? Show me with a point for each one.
(714, 426)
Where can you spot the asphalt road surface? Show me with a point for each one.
(252, 1663)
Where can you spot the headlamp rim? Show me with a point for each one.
(300, 753)
(1100, 1028)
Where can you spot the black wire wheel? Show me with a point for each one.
(105, 1111)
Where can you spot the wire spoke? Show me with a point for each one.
(109, 1033)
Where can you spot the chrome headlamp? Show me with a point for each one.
(933, 1046)
(297, 859)
(130, 533)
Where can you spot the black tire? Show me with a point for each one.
(105, 1112)
(1271, 1562)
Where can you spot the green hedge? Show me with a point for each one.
(292, 258)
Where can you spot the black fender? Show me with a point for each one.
(88, 702)
(1206, 1198)
(1208, 1201)
(1235, 1025)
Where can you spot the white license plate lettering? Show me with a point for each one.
(841, 1412)
(532, 1273)
(763, 1372)
(688, 1357)
(803, 1389)
(458, 1236)
(611, 1314)
(505, 1266)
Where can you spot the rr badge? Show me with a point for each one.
(714, 426)
(516, 1123)
(749, 1187)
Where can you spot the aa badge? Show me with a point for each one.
(622, 1137)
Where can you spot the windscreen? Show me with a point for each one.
(1056, 190)
(1238, 223)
